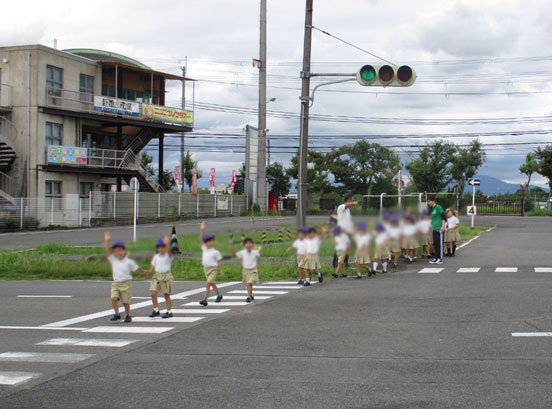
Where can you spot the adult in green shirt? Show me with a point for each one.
(438, 221)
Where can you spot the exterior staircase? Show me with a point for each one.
(8, 154)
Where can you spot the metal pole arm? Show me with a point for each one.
(323, 85)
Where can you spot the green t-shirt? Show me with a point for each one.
(436, 219)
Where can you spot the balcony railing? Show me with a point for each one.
(102, 105)
(8, 185)
(91, 157)
(5, 96)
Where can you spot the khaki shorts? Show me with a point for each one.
(250, 276)
(162, 283)
(410, 243)
(452, 235)
(210, 274)
(341, 256)
(381, 253)
(300, 262)
(395, 246)
(362, 257)
(122, 290)
(427, 239)
(313, 262)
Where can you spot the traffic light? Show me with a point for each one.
(386, 76)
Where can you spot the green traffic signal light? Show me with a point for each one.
(368, 73)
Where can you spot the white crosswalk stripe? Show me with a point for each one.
(168, 320)
(543, 269)
(241, 297)
(430, 270)
(468, 270)
(219, 304)
(259, 292)
(16, 378)
(277, 287)
(69, 358)
(129, 330)
(84, 342)
(506, 270)
(200, 310)
(532, 334)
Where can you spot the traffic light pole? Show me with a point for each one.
(304, 126)
(261, 157)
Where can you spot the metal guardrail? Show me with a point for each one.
(6, 96)
(7, 184)
(8, 131)
(103, 158)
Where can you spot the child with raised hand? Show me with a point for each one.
(163, 280)
(211, 260)
(342, 249)
(121, 268)
(249, 257)
(362, 255)
(300, 246)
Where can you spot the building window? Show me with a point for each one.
(54, 80)
(86, 88)
(85, 189)
(53, 133)
(108, 91)
(53, 195)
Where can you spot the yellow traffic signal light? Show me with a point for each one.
(386, 76)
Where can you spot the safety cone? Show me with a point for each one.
(288, 235)
(174, 242)
(264, 240)
(280, 236)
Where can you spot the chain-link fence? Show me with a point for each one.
(103, 208)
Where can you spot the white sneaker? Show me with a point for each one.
(439, 262)
(434, 261)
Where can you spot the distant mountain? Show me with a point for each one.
(492, 186)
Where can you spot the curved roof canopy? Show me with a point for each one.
(101, 55)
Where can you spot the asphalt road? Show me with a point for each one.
(404, 340)
(93, 236)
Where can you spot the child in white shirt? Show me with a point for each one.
(382, 252)
(362, 255)
(122, 268)
(163, 280)
(300, 246)
(452, 234)
(211, 260)
(342, 249)
(424, 232)
(311, 260)
(249, 257)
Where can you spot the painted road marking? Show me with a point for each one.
(468, 270)
(543, 269)
(277, 287)
(106, 313)
(44, 296)
(506, 270)
(15, 378)
(69, 358)
(283, 283)
(241, 297)
(199, 310)
(259, 292)
(83, 342)
(532, 334)
(430, 270)
(130, 330)
(41, 327)
(167, 320)
(218, 304)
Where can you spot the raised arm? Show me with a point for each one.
(201, 232)
(107, 245)
(166, 241)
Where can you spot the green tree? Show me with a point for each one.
(358, 167)
(530, 166)
(431, 171)
(544, 157)
(466, 161)
(278, 178)
(318, 172)
(146, 161)
(188, 167)
(242, 172)
(167, 181)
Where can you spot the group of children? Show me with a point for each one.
(392, 237)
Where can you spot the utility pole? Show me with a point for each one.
(261, 157)
(182, 151)
(304, 126)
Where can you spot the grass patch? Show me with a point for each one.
(539, 212)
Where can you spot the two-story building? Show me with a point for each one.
(75, 121)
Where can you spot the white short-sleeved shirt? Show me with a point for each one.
(381, 238)
(249, 258)
(393, 232)
(162, 263)
(344, 219)
(122, 268)
(362, 240)
(424, 226)
(300, 246)
(409, 230)
(452, 222)
(342, 242)
(210, 256)
(313, 245)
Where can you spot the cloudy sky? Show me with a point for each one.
(477, 61)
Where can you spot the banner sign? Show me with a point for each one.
(233, 182)
(116, 106)
(177, 177)
(194, 180)
(67, 155)
(212, 181)
(167, 114)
